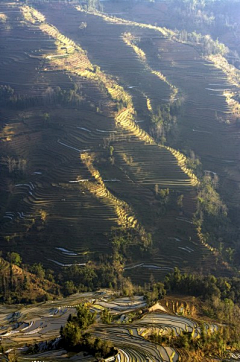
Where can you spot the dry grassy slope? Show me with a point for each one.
(36, 288)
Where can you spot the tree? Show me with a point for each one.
(26, 283)
(94, 5)
(180, 201)
(127, 287)
(111, 149)
(84, 316)
(106, 316)
(46, 118)
(15, 258)
(71, 334)
(164, 196)
(38, 270)
(43, 215)
(69, 287)
(83, 25)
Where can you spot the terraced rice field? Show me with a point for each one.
(102, 47)
(55, 171)
(202, 86)
(40, 323)
(142, 167)
(37, 323)
(66, 207)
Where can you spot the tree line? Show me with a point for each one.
(9, 98)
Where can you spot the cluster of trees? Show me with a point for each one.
(106, 316)
(6, 93)
(163, 122)
(194, 163)
(79, 278)
(205, 15)
(14, 258)
(207, 287)
(209, 202)
(15, 165)
(57, 95)
(213, 222)
(191, 4)
(126, 243)
(165, 199)
(194, 12)
(214, 17)
(204, 43)
(75, 338)
(72, 331)
(216, 225)
(92, 5)
(155, 292)
(108, 273)
(65, 96)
